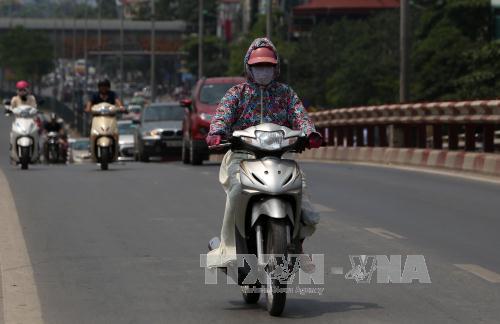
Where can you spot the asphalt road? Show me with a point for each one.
(123, 246)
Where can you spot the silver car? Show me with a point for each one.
(79, 150)
(160, 131)
(126, 140)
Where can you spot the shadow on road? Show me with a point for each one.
(308, 308)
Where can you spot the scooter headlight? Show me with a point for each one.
(270, 140)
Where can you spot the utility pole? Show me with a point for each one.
(86, 58)
(99, 37)
(269, 18)
(122, 77)
(153, 54)
(404, 55)
(11, 12)
(73, 72)
(200, 39)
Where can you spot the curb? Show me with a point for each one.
(480, 163)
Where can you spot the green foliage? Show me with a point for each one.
(28, 54)
(214, 60)
(482, 77)
(451, 53)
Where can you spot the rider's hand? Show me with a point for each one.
(315, 140)
(213, 140)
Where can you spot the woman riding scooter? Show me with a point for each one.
(241, 108)
(104, 105)
(23, 98)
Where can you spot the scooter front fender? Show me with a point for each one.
(104, 141)
(273, 207)
(24, 141)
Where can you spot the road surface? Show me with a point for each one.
(123, 246)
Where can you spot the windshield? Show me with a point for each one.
(81, 145)
(212, 93)
(126, 129)
(159, 113)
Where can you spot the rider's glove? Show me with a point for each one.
(213, 140)
(315, 140)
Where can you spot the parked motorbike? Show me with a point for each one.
(24, 136)
(272, 191)
(104, 134)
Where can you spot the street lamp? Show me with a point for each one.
(404, 57)
(153, 49)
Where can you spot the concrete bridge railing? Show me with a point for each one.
(452, 135)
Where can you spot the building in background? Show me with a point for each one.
(315, 11)
(228, 19)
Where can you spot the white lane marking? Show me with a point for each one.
(336, 270)
(323, 209)
(207, 173)
(21, 303)
(481, 272)
(384, 233)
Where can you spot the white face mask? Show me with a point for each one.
(263, 75)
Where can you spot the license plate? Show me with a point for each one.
(172, 143)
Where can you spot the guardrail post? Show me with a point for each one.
(421, 131)
(409, 136)
(370, 135)
(331, 132)
(437, 137)
(453, 137)
(470, 137)
(360, 136)
(382, 135)
(322, 131)
(489, 138)
(350, 136)
(340, 136)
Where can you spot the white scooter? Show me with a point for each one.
(271, 196)
(24, 136)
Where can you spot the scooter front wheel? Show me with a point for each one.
(276, 243)
(105, 156)
(24, 158)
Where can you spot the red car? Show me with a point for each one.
(199, 111)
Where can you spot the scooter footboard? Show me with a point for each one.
(273, 207)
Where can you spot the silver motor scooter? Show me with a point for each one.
(24, 136)
(272, 198)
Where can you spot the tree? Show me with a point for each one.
(452, 57)
(365, 67)
(28, 54)
(215, 54)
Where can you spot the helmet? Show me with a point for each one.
(262, 55)
(53, 116)
(22, 85)
(104, 83)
